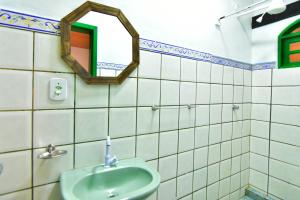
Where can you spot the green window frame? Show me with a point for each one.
(93, 31)
(285, 39)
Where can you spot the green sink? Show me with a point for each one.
(131, 179)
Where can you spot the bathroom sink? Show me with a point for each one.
(130, 179)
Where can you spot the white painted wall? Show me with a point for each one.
(189, 23)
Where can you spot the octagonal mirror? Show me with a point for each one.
(99, 43)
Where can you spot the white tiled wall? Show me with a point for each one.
(200, 152)
(275, 141)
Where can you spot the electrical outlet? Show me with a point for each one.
(58, 89)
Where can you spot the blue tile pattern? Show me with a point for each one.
(50, 26)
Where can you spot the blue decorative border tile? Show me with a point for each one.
(50, 26)
(111, 66)
(263, 66)
(29, 22)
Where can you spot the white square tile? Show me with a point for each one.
(227, 93)
(89, 153)
(214, 153)
(236, 147)
(124, 148)
(213, 191)
(283, 190)
(215, 114)
(21, 195)
(91, 124)
(16, 174)
(238, 94)
(200, 177)
(168, 167)
(224, 187)
(246, 128)
(15, 131)
(261, 112)
(247, 78)
(284, 152)
(247, 98)
(47, 53)
(184, 185)
(213, 173)
(200, 194)
(201, 136)
(286, 114)
(147, 120)
(235, 165)
(247, 107)
(149, 64)
(284, 171)
(286, 134)
(215, 134)
(216, 73)
(259, 163)
(188, 70)
(261, 95)
(285, 77)
(245, 144)
(227, 113)
(168, 143)
(187, 117)
(17, 87)
(169, 93)
(245, 177)
(41, 91)
(260, 129)
(187, 93)
(185, 161)
(280, 94)
(124, 94)
(216, 93)
(202, 113)
(49, 170)
(226, 131)
(259, 146)
(169, 118)
(148, 92)
(225, 168)
(17, 49)
(186, 139)
(203, 93)
(200, 157)
(225, 150)
(170, 68)
(90, 95)
(47, 192)
(238, 76)
(53, 127)
(261, 78)
(167, 190)
(122, 122)
(147, 146)
(258, 180)
(237, 129)
(238, 114)
(235, 182)
(228, 75)
(203, 71)
(245, 161)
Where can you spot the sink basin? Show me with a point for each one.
(131, 179)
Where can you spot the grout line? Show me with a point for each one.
(32, 120)
(270, 127)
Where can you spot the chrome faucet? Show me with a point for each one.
(109, 160)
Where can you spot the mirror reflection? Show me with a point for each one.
(101, 44)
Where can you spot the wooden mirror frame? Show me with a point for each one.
(75, 15)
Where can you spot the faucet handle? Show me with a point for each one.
(113, 161)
